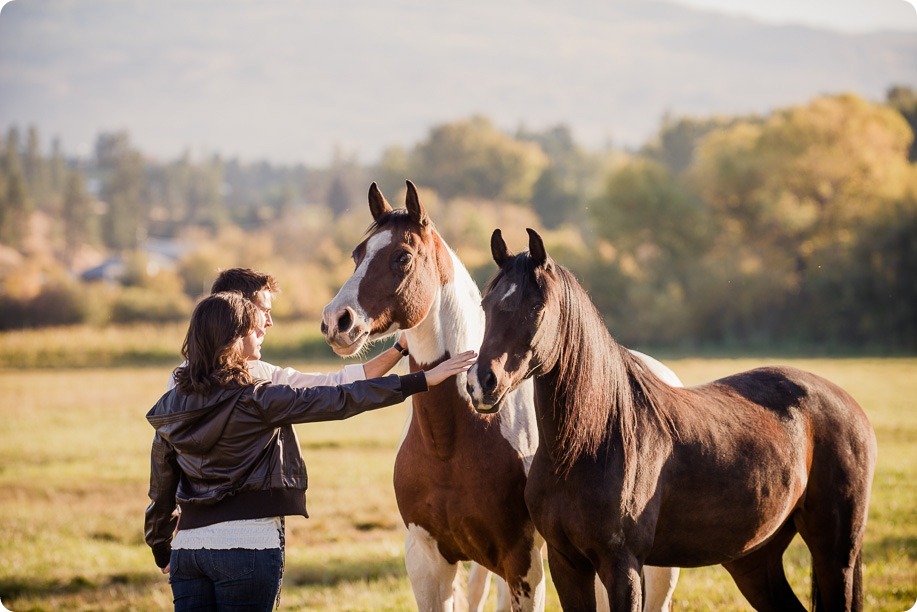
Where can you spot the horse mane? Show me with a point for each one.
(390, 217)
(600, 385)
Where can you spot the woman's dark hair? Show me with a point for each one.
(213, 355)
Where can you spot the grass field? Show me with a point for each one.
(74, 459)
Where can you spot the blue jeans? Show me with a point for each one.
(236, 579)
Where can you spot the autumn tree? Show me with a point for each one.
(809, 176)
(791, 197)
(568, 181)
(904, 100)
(657, 228)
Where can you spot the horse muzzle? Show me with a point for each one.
(344, 331)
(486, 396)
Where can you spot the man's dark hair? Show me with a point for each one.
(246, 281)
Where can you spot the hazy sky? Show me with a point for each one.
(301, 80)
(843, 15)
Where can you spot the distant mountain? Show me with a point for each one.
(293, 81)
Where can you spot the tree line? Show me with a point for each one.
(797, 228)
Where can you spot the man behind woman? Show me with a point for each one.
(226, 453)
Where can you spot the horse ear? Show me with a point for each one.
(498, 248)
(415, 206)
(378, 205)
(536, 247)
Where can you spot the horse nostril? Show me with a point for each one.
(490, 382)
(324, 327)
(345, 321)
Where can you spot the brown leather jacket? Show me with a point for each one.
(234, 454)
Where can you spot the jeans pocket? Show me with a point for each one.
(232, 564)
(175, 565)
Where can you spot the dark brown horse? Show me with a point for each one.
(630, 471)
(459, 475)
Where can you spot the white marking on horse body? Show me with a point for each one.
(517, 422)
(432, 577)
(535, 582)
(659, 584)
(659, 369)
(454, 323)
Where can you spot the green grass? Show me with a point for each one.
(74, 459)
(86, 346)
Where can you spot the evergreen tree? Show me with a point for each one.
(14, 201)
(36, 171)
(75, 214)
(124, 222)
(339, 199)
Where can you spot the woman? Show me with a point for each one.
(225, 451)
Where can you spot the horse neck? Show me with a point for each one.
(455, 321)
(584, 395)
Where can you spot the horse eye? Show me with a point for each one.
(404, 259)
(537, 307)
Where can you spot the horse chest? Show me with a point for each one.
(469, 500)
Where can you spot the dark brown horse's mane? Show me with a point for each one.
(600, 385)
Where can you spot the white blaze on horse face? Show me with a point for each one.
(477, 393)
(349, 295)
(512, 290)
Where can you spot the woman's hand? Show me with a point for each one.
(165, 570)
(450, 367)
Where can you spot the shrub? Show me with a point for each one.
(60, 303)
(141, 304)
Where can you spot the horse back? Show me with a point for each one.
(790, 393)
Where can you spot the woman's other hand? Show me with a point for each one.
(450, 367)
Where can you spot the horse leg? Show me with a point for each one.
(478, 587)
(504, 597)
(620, 573)
(524, 571)
(574, 579)
(760, 576)
(834, 536)
(658, 588)
(601, 596)
(432, 576)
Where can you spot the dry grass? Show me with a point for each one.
(73, 474)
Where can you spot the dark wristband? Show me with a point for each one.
(400, 349)
(413, 383)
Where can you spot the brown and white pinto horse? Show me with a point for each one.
(631, 471)
(459, 475)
